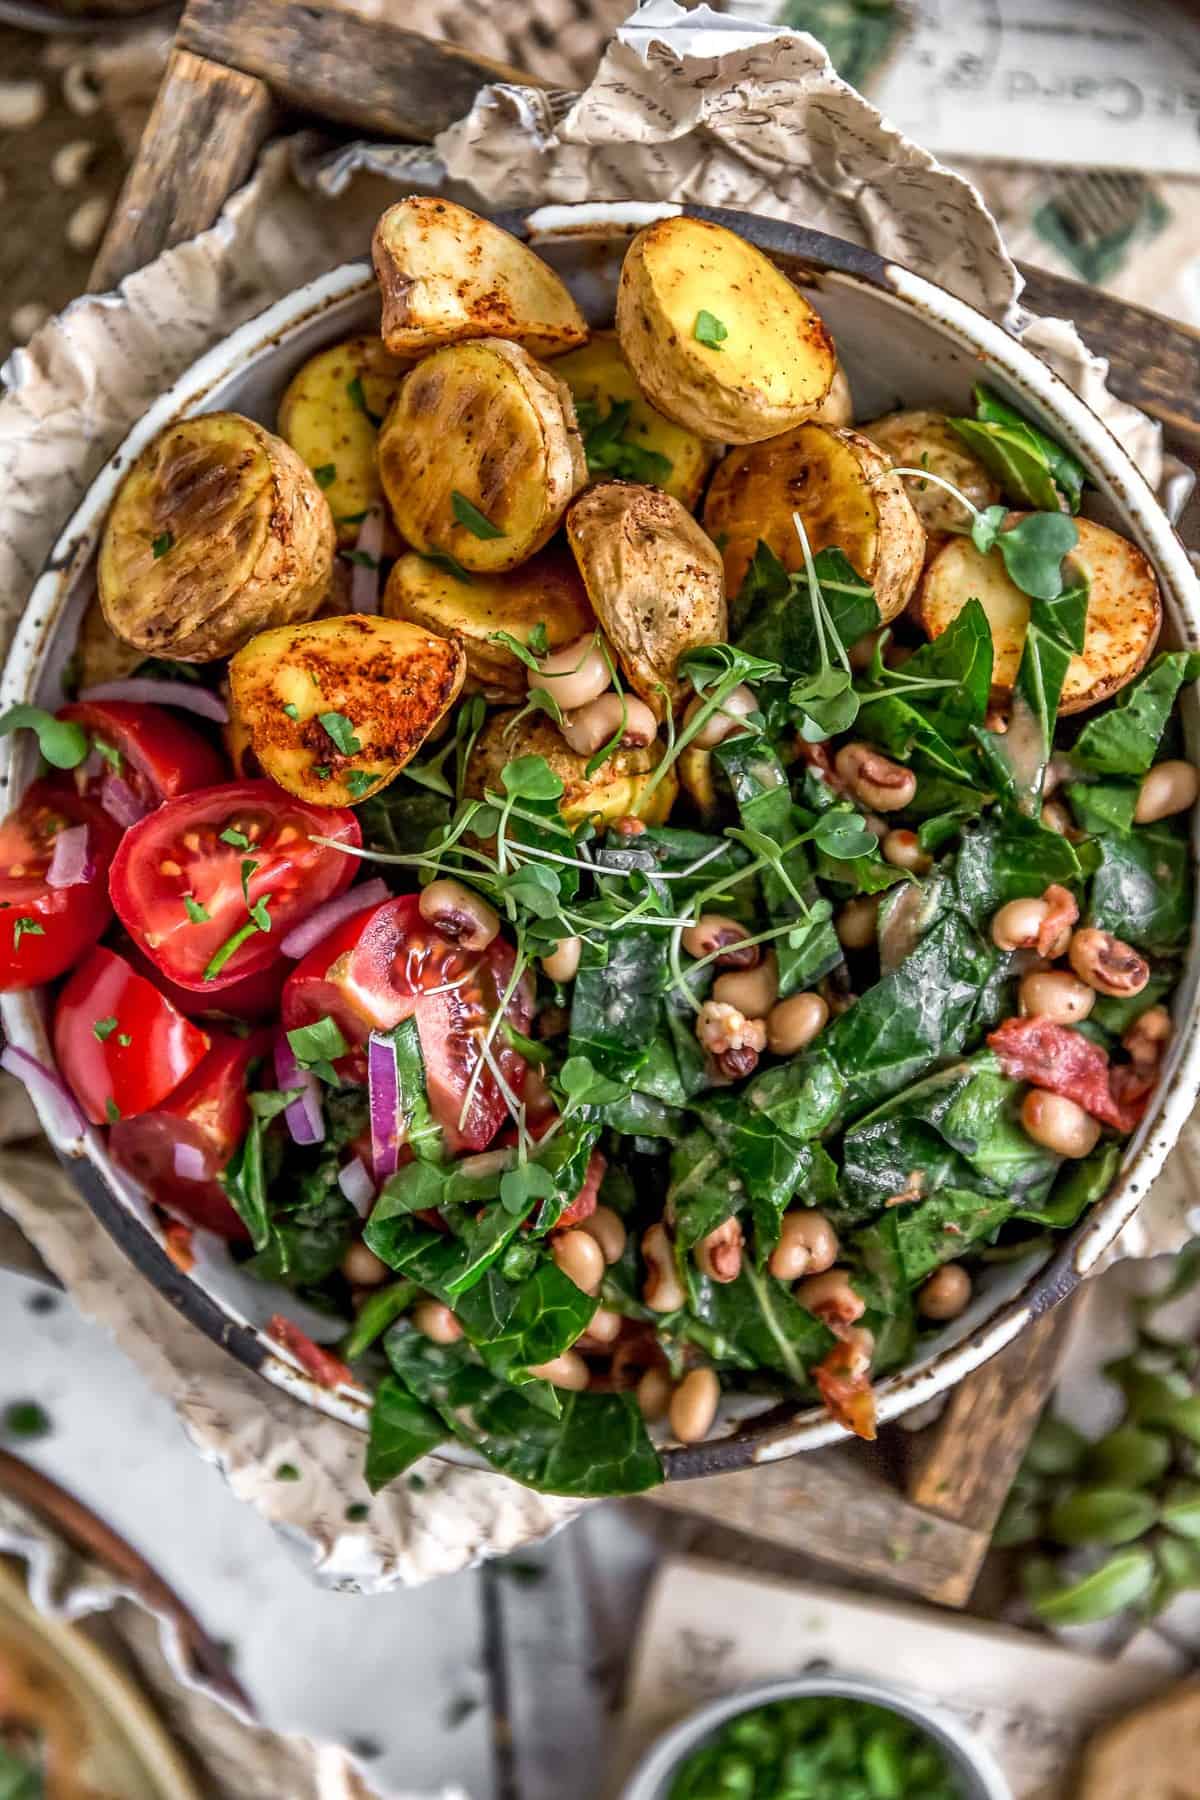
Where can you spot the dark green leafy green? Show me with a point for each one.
(1067, 471)
(752, 1323)
(1123, 740)
(402, 1430)
(1142, 889)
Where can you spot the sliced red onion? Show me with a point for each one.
(364, 575)
(187, 696)
(190, 1163)
(383, 1091)
(355, 1182)
(64, 1118)
(121, 803)
(303, 1118)
(70, 863)
(302, 938)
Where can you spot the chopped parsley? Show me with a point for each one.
(362, 557)
(259, 920)
(709, 331)
(103, 1029)
(537, 643)
(287, 1472)
(248, 868)
(318, 1046)
(124, 1039)
(161, 544)
(341, 730)
(361, 781)
(442, 559)
(112, 1111)
(471, 519)
(26, 1419)
(239, 840)
(326, 475)
(110, 753)
(322, 771)
(197, 914)
(293, 712)
(24, 926)
(610, 450)
(358, 398)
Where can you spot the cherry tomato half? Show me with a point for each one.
(386, 964)
(120, 1044)
(252, 998)
(178, 1150)
(194, 882)
(147, 748)
(44, 929)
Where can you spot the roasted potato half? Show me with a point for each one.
(926, 440)
(103, 656)
(654, 580)
(480, 455)
(837, 408)
(445, 274)
(217, 532)
(599, 379)
(718, 338)
(842, 486)
(1124, 611)
(330, 415)
(548, 588)
(615, 791)
(334, 709)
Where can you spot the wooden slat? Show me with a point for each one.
(199, 145)
(372, 73)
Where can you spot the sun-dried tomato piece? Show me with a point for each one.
(843, 1378)
(327, 1370)
(1063, 1061)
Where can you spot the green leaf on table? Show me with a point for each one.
(1123, 1580)
(1130, 1456)
(1093, 1514)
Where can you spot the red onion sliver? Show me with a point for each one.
(70, 863)
(304, 1117)
(383, 1089)
(303, 937)
(364, 576)
(64, 1118)
(187, 696)
(121, 803)
(189, 1162)
(355, 1182)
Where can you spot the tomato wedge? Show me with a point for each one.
(252, 999)
(150, 752)
(177, 1151)
(386, 964)
(44, 929)
(209, 884)
(120, 1044)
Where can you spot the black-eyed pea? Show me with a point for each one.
(608, 1229)
(792, 1024)
(362, 1268)
(807, 1245)
(1168, 788)
(719, 1255)
(857, 922)
(562, 964)
(752, 991)
(653, 1394)
(1106, 963)
(902, 849)
(725, 721)
(436, 1322)
(580, 1258)
(459, 914)
(662, 1290)
(715, 935)
(1016, 925)
(1055, 994)
(693, 1406)
(1148, 1037)
(573, 676)
(878, 782)
(620, 716)
(946, 1292)
(1059, 1124)
(566, 1371)
(604, 1327)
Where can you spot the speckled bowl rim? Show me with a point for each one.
(809, 255)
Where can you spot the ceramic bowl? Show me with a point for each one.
(903, 341)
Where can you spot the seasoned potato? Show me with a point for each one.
(697, 777)
(613, 792)
(329, 416)
(718, 338)
(445, 274)
(654, 580)
(103, 656)
(1124, 611)
(334, 709)
(217, 532)
(837, 408)
(481, 429)
(599, 378)
(841, 485)
(925, 440)
(547, 588)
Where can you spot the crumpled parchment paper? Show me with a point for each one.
(683, 106)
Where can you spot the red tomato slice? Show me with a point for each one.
(327, 1370)
(120, 1044)
(43, 930)
(384, 965)
(182, 854)
(1061, 1060)
(146, 747)
(252, 998)
(208, 1113)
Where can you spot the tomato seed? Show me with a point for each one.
(169, 868)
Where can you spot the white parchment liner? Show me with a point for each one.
(684, 106)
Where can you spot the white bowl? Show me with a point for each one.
(903, 341)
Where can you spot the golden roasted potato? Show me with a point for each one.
(329, 415)
(925, 440)
(480, 454)
(654, 580)
(837, 408)
(103, 656)
(1124, 611)
(548, 588)
(842, 486)
(697, 778)
(445, 274)
(217, 532)
(334, 709)
(615, 791)
(599, 378)
(718, 338)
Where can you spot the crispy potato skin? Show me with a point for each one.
(103, 656)
(484, 420)
(842, 486)
(327, 428)
(920, 439)
(249, 540)
(613, 792)
(393, 681)
(698, 780)
(837, 408)
(547, 588)
(599, 375)
(1123, 622)
(773, 368)
(655, 582)
(446, 275)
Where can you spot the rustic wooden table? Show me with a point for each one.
(916, 1511)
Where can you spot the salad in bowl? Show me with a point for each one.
(621, 885)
